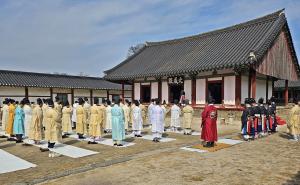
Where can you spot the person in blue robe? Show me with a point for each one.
(19, 122)
(118, 123)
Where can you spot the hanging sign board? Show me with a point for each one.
(175, 80)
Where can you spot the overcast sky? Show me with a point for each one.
(72, 36)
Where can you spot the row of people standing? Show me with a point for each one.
(257, 120)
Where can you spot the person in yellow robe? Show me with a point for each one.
(11, 116)
(103, 109)
(131, 111)
(36, 125)
(144, 110)
(17, 104)
(44, 109)
(294, 121)
(57, 107)
(32, 105)
(121, 104)
(5, 113)
(66, 119)
(87, 106)
(53, 131)
(81, 119)
(96, 122)
(188, 116)
(126, 110)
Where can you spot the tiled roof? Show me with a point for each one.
(224, 48)
(28, 79)
(281, 84)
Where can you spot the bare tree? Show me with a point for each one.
(82, 74)
(57, 73)
(134, 49)
(63, 74)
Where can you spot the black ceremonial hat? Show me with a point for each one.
(96, 100)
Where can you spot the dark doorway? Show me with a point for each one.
(63, 97)
(215, 91)
(146, 94)
(175, 93)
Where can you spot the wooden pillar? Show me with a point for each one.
(267, 88)
(72, 96)
(159, 90)
(107, 94)
(292, 94)
(223, 90)
(132, 90)
(91, 97)
(123, 91)
(194, 91)
(249, 83)
(238, 90)
(286, 92)
(26, 92)
(51, 93)
(254, 85)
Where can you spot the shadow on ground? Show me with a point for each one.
(294, 180)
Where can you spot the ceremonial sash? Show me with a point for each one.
(249, 125)
(271, 126)
(255, 125)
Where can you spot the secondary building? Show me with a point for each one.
(17, 85)
(228, 64)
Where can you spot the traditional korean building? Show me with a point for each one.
(283, 92)
(17, 85)
(229, 64)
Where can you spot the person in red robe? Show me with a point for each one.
(209, 124)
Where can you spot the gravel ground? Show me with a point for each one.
(50, 166)
(271, 160)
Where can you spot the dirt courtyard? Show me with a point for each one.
(271, 160)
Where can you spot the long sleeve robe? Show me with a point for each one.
(81, 120)
(108, 117)
(150, 107)
(157, 120)
(117, 118)
(10, 122)
(5, 114)
(293, 121)
(36, 125)
(175, 116)
(131, 115)
(96, 122)
(28, 116)
(188, 115)
(126, 115)
(137, 121)
(209, 124)
(87, 106)
(144, 110)
(53, 131)
(57, 108)
(74, 112)
(18, 127)
(44, 109)
(66, 119)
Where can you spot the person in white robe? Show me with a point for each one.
(108, 117)
(175, 116)
(137, 120)
(75, 105)
(28, 116)
(166, 111)
(5, 114)
(150, 107)
(157, 121)
(87, 106)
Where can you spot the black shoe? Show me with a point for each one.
(135, 135)
(138, 136)
(120, 145)
(11, 139)
(184, 133)
(188, 134)
(115, 144)
(44, 149)
(212, 144)
(19, 141)
(208, 145)
(3, 136)
(65, 136)
(92, 142)
(105, 132)
(157, 140)
(154, 139)
(81, 137)
(165, 129)
(68, 134)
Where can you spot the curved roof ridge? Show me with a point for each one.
(229, 28)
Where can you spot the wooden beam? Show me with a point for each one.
(107, 94)
(91, 97)
(72, 96)
(222, 90)
(254, 85)
(123, 91)
(238, 90)
(26, 92)
(286, 91)
(159, 90)
(194, 91)
(132, 90)
(51, 93)
(267, 88)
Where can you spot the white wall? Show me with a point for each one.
(63, 90)
(154, 90)
(269, 90)
(229, 90)
(261, 89)
(200, 91)
(39, 92)
(100, 93)
(12, 91)
(81, 93)
(137, 91)
(188, 90)
(165, 92)
(244, 86)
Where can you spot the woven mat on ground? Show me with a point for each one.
(218, 146)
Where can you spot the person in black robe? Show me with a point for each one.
(274, 113)
(245, 119)
(270, 118)
(263, 113)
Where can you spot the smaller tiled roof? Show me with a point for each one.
(30, 79)
(291, 84)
